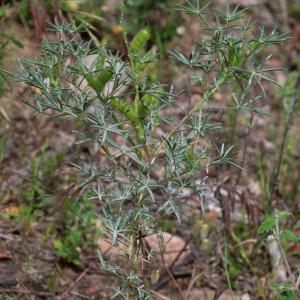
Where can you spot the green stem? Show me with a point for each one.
(285, 260)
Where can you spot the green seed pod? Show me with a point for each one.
(139, 129)
(100, 79)
(129, 112)
(120, 106)
(145, 106)
(150, 100)
(101, 62)
(132, 116)
(126, 110)
(190, 158)
(139, 40)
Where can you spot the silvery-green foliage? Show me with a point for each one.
(145, 174)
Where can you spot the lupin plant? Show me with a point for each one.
(147, 174)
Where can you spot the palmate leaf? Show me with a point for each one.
(116, 223)
(273, 38)
(98, 120)
(120, 195)
(130, 152)
(65, 27)
(195, 60)
(143, 185)
(193, 8)
(106, 266)
(171, 207)
(199, 124)
(180, 57)
(224, 156)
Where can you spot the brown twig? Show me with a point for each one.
(191, 284)
(180, 253)
(36, 20)
(163, 297)
(277, 164)
(165, 278)
(27, 292)
(168, 271)
(72, 285)
(80, 295)
(245, 148)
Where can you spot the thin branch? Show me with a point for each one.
(277, 165)
(73, 284)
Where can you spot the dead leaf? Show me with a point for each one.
(12, 211)
(117, 29)
(4, 255)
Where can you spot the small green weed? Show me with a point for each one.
(273, 227)
(77, 231)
